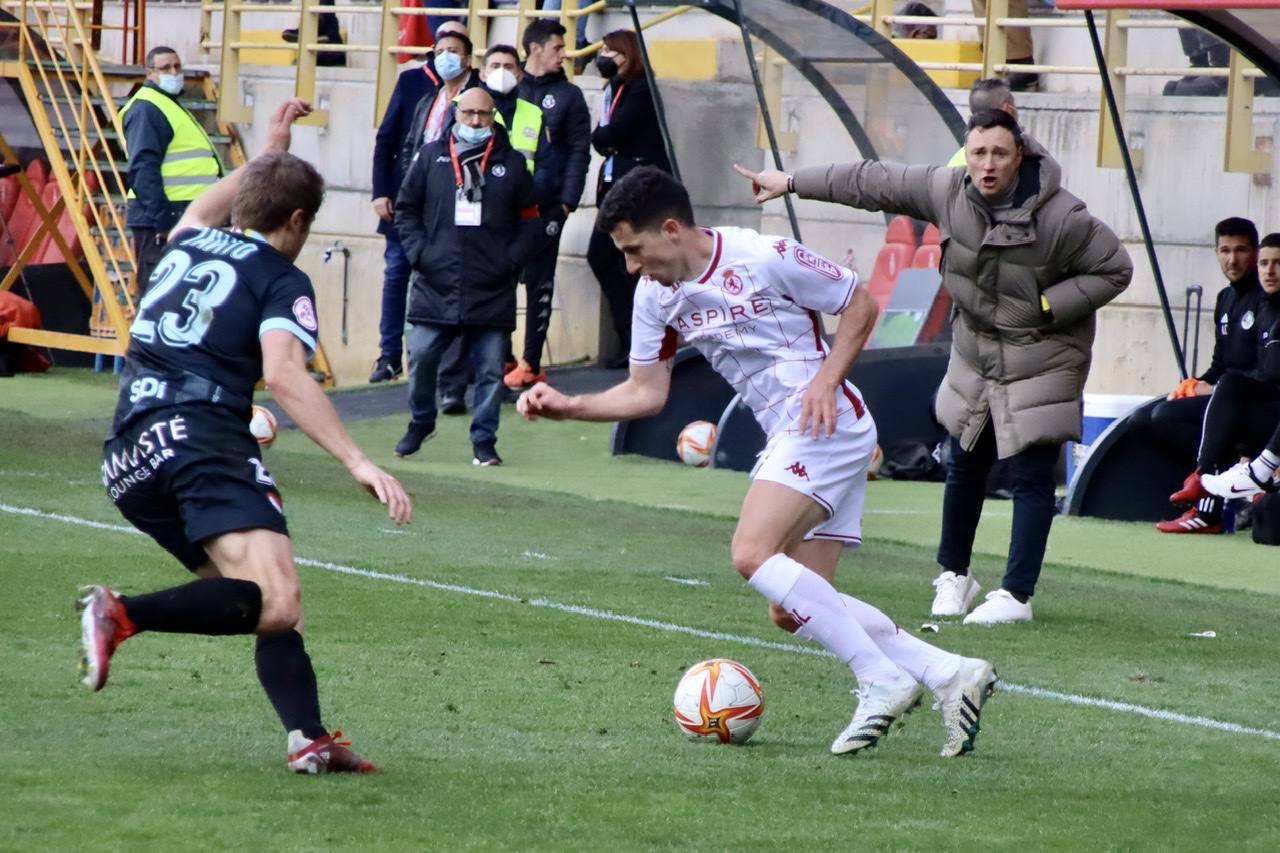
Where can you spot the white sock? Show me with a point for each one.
(926, 663)
(823, 617)
(1264, 467)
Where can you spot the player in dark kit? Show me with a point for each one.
(226, 307)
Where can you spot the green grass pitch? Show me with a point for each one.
(510, 658)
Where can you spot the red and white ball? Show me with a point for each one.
(263, 425)
(696, 442)
(718, 700)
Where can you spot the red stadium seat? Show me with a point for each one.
(23, 221)
(49, 253)
(895, 255)
(9, 191)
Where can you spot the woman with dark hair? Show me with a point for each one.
(627, 136)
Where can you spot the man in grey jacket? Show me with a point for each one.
(1027, 267)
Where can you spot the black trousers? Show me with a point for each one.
(539, 287)
(1033, 508)
(148, 246)
(1241, 419)
(617, 285)
(1174, 425)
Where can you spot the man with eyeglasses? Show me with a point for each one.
(171, 159)
(468, 222)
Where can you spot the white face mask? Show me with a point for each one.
(171, 83)
(500, 80)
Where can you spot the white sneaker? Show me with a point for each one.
(879, 705)
(960, 700)
(999, 608)
(1236, 482)
(955, 593)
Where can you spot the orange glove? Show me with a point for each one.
(1186, 388)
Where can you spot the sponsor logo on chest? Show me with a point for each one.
(721, 315)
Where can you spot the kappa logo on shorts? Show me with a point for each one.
(799, 470)
(731, 284)
(305, 313)
(817, 263)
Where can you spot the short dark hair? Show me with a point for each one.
(987, 119)
(1271, 241)
(508, 49)
(644, 199)
(989, 93)
(1236, 226)
(273, 186)
(157, 51)
(466, 41)
(539, 31)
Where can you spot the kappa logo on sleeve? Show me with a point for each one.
(806, 258)
(305, 313)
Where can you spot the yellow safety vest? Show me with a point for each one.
(525, 131)
(190, 165)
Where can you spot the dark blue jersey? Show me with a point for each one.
(196, 335)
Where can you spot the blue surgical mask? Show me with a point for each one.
(171, 83)
(472, 135)
(448, 65)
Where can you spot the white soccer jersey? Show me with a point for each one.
(753, 314)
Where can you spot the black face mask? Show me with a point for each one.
(607, 67)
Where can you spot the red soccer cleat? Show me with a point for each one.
(1190, 492)
(104, 625)
(326, 754)
(1189, 522)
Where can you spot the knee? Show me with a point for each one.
(281, 607)
(782, 618)
(747, 556)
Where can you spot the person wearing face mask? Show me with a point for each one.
(400, 134)
(627, 136)
(468, 222)
(1027, 267)
(171, 159)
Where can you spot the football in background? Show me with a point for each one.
(695, 443)
(263, 425)
(718, 700)
(873, 467)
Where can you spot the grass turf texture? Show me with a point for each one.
(507, 725)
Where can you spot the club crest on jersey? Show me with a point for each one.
(305, 313)
(549, 102)
(817, 263)
(1246, 321)
(731, 285)
(499, 171)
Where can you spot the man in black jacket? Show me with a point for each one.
(393, 148)
(560, 173)
(467, 219)
(1242, 413)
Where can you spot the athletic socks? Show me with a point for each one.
(926, 663)
(823, 617)
(216, 606)
(284, 670)
(1264, 467)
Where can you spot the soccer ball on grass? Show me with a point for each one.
(718, 700)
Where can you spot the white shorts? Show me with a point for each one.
(830, 470)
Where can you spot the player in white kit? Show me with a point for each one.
(750, 304)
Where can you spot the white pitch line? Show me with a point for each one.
(671, 627)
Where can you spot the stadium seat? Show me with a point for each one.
(9, 191)
(897, 253)
(49, 253)
(23, 221)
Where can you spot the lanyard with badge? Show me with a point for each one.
(606, 117)
(465, 211)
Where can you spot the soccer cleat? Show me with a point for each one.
(385, 370)
(879, 706)
(955, 593)
(523, 376)
(960, 700)
(1191, 490)
(1191, 521)
(485, 455)
(1236, 482)
(326, 754)
(414, 436)
(1000, 608)
(104, 625)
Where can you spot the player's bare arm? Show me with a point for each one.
(212, 208)
(818, 404)
(284, 366)
(644, 393)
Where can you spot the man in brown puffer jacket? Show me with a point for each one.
(1027, 267)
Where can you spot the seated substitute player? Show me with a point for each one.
(226, 307)
(749, 303)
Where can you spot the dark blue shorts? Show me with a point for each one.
(183, 474)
